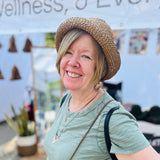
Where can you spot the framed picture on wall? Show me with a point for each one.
(158, 42)
(138, 41)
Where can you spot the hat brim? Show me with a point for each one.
(101, 32)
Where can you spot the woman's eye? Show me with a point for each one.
(68, 52)
(87, 57)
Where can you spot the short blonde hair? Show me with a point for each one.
(101, 63)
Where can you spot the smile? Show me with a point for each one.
(73, 75)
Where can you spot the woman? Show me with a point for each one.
(87, 55)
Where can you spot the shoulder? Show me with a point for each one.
(117, 114)
(124, 132)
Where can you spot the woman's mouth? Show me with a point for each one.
(73, 75)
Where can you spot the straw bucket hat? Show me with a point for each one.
(101, 32)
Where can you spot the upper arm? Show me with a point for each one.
(126, 137)
(147, 153)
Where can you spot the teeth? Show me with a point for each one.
(73, 75)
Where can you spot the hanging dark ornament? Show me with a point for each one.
(15, 73)
(12, 45)
(1, 75)
(27, 46)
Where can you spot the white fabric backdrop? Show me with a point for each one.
(15, 92)
(17, 16)
(140, 73)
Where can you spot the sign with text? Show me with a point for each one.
(17, 16)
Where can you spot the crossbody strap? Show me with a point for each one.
(106, 132)
(63, 99)
(89, 129)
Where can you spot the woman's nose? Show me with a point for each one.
(74, 61)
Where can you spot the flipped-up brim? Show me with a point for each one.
(101, 32)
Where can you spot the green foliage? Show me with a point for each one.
(58, 99)
(50, 39)
(54, 85)
(50, 98)
(21, 124)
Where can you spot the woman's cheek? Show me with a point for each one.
(62, 66)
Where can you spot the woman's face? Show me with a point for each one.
(77, 66)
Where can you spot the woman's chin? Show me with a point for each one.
(70, 87)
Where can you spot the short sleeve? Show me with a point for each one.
(126, 137)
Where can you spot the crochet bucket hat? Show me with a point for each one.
(101, 32)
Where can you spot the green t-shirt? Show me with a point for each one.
(70, 127)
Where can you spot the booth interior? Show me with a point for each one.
(30, 77)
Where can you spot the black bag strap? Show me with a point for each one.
(106, 132)
(63, 99)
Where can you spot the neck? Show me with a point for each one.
(82, 101)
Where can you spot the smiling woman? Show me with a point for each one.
(87, 55)
(78, 64)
